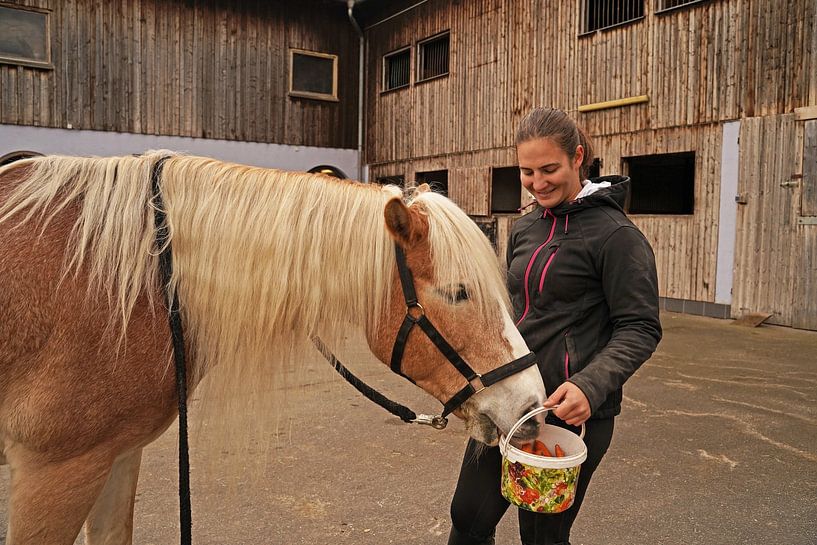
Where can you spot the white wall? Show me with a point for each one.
(727, 216)
(47, 141)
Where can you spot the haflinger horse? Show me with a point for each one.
(260, 257)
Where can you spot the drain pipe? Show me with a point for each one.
(350, 4)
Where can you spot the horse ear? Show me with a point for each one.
(400, 222)
(422, 188)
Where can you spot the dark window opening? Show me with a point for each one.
(25, 36)
(506, 190)
(313, 75)
(433, 57)
(601, 14)
(399, 180)
(396, 70)
(488, 228)
(328, 170)
(594, 170)
(664, 5)
(437, 179)
(661, 184)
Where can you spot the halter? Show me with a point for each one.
(415, 315)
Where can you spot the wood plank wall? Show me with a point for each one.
(200, 68)
(701, 65)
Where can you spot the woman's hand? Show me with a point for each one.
(573, 408)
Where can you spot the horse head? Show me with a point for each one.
(458, 288)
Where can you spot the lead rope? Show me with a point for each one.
(175, 319)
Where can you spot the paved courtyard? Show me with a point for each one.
(716, 445)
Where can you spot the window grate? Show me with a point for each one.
(433, 57)
(396, 70)
(599, 14)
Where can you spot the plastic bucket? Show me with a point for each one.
(543, 484)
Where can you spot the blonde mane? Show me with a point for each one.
(262, 258)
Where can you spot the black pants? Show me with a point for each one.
(478, 504)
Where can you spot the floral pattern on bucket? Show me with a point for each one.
(539, 489)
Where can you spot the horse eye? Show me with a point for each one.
(461, 294)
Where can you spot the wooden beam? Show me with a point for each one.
(806, 112)
(614, 103)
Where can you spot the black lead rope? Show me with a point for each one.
(166, 271)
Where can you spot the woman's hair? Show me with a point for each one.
(559, 127)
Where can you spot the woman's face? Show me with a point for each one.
(548, 173)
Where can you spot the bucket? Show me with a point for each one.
(543, 484)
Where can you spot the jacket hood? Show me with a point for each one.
(613, 196)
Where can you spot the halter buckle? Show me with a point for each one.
(416, 308)
(436, 421)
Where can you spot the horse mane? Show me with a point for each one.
(262, 258)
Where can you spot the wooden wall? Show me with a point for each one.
(700, 66)
(200, 68)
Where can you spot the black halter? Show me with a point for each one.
(415, 315)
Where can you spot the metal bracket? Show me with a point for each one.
(807, 220)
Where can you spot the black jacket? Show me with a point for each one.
(585, 293)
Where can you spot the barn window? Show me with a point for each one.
(601, 14)
(432, 57)
(437, 179)
(594, 170)
(399, 180)
(661, 184)
(506, 190)
(25, 36)
(396, 69)
(313, 75)
(666, 5)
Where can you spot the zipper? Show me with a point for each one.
(530, 266)
(547, 266)
(569, 348)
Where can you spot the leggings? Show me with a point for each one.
(478, 504)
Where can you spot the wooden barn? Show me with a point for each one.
(265, 83)
(709, 105)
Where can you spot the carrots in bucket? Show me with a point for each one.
(539, 449)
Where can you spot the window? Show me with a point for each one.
(313, 75)
(399, 180)
(437, 179)
(506, 190)
(600, 14)
(16, 156)
(25, 36)
(661, 184)
(432, 57)
(329, 170)
(665, 5)
(396, 69)
(594, 170)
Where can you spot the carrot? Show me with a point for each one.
(540, 449)
(528, 447)
(559, 451)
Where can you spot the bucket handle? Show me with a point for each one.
(522, 420)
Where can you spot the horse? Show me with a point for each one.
(261, 259)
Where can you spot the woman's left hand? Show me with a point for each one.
(573, 407)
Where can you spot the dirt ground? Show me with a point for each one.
(716, 445)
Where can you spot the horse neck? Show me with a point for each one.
(260, 253)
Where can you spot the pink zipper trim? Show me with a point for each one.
(567, 218)
(530, 266)
(567, 363)
(545, 270)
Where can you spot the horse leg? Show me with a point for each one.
(110, 521)
(49, 500)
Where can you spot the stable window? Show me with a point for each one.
(661, 184)
(25, 36)
(313, 75)
(437, 179)
(329, 170)
(594, 170)
(666, 5)
(506, 190)
(432, 57)
(601, 14)
(396, 69)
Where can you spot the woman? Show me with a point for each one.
(584, 289)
